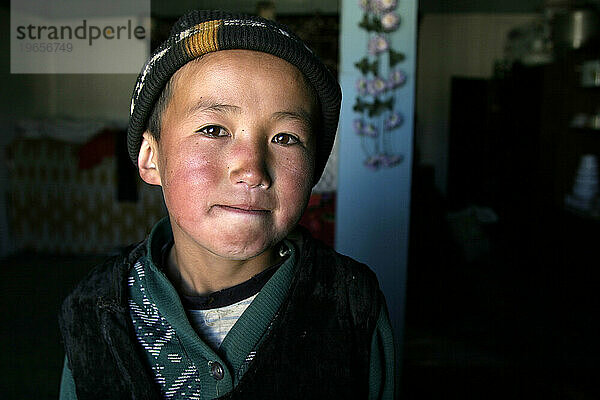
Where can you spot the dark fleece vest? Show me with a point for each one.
(318, 346)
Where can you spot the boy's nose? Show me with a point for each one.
(249, 167)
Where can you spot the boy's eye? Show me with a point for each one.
(285, 139)
(213, 131)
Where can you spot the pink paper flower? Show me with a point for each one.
(376, 86)
(358, 125)
(370, 130)
(365, 5)
(393, 120)
(378, 44)
(391, 160)
(361, 86)
(373, 163)
(396, 79)
(383, 6)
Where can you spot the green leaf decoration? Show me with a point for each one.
(376, 25)
(396, 57)
(360, 105)
(370, 24)
(379, 106)
(365, 66)
(374, 67)
(364, 23)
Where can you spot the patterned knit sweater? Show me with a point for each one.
(184, 365)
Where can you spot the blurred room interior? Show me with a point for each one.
(505, 206)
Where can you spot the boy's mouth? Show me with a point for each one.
(244, 209)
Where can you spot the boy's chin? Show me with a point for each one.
(232, 242)
(249, 253)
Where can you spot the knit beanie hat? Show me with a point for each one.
(200, 32)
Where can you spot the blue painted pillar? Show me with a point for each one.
(373, 199)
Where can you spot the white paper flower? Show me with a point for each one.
(390, 22)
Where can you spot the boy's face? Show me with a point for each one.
(236, 153)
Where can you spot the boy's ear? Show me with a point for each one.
(147, 160)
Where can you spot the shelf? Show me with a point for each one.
(585, 129)
(582, 214)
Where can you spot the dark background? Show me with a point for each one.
(504, 309)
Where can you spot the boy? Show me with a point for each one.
(234, 118)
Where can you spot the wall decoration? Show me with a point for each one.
(381, 78)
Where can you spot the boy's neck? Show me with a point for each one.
(196, 273)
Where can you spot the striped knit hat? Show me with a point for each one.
(200, 32)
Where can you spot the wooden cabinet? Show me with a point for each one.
(513, 144)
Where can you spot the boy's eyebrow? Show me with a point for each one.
(213, 106)
(300, 115)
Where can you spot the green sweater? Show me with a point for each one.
(184, 361)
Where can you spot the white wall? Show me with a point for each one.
(97, 96)
(453, 45)
(373, 207)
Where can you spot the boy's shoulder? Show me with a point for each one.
(323, 253)
(335, 270)
(95, 327)
(343, 264)
(103, 284)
